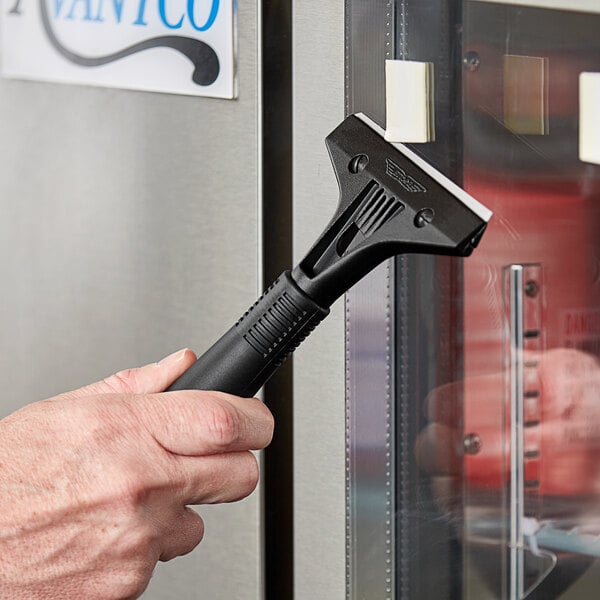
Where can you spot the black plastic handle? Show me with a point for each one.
(254, 348)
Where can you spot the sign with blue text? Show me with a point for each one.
(174, 46)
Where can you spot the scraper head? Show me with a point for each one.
(391, 202)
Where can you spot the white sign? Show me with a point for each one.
(176, 46)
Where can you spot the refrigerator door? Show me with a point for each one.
(129, 229)
(473, 451)
(531, 306)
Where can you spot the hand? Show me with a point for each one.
(565, 432)
(95, 483)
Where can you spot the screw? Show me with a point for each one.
(471, 61)
(424, 216)
(358, 163)
(532, 289)
(472, 443)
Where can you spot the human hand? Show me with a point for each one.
(564, 430)
(95, 484)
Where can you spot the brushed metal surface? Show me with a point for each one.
(128, 229)
(319, 364)
(370, 340)
(371, 543)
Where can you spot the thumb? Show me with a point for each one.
(150, 379)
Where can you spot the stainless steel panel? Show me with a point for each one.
(319, 365)
(128, 229)
(370, 550)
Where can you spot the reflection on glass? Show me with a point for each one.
(531, 373)
(494, 432)
(512, 445)
(526, 94)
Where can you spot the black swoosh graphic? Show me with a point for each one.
(16, 9)
(202, 56)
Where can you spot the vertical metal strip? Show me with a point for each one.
(370, 344)
(525, 341)
(517, 490)
(403, 437)
(390, 434)
(370, 436)
(275, 118)
(403, 434)
(350, 508)
(390, 455)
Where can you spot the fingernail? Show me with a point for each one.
(173, 358)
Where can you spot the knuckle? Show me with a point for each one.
(270, 425)
(138, 542)
(195, 528)
(223, 424)
(135, 552)
(265, 421)
(264, 411)
(135, 490)
(187, 535)
(122, 382)
(131, 487)
(132, 582)
(251, 474)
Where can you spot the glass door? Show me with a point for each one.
(531, 305)
(473, 451)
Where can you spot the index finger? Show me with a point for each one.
(198, 423)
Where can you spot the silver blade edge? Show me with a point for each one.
(475, 206)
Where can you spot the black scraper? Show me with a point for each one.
(391, 202)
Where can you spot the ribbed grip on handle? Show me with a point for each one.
(249, 353)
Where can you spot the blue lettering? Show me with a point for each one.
(118, 8)
(163, 16)
(58, 4)
(212, 17)
(82, 9)
(99, 18)
(88, 10)
(140, 16)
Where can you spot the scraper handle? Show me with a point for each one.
(251, 351)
